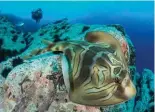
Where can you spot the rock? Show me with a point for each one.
(28, 80)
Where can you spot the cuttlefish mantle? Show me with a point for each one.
(95, 71)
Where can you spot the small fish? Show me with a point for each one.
(93, 74)
(20, 24)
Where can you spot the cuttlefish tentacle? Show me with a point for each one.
(93, 73)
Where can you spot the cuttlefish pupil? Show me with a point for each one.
(95, 71)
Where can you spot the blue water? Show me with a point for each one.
(136, 17)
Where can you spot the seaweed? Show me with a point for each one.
(41, 34)
(68, 27)
(56, 38)
(152, 100)
(27, 42)
(137, 98)
(85, 28)
(18, 32)
(1, 42)
(151, 109)
(6, 53)
(1, 55)
(5, 72)
(57, 30)
(151, 93)
(5, 28)
(55, 27)
(63, 27)
(15, 37)
(44, 25)
(22, 42)
(13, 32)
(25, 34)
(58, 21)
(57, 52)
(17, 61)
(4, 20)
(66, 38)
(119, 28)
(132, 57)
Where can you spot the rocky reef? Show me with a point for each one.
(37, 84)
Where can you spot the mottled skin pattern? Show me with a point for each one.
(101, 37)
(98, 70)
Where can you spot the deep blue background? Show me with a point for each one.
(136, 17)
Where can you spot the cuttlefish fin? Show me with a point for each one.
(101, 37)
(32, 53)
(58, 46)
(46, 42)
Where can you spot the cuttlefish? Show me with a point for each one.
(95, 71)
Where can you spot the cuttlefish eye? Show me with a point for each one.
(125, 90)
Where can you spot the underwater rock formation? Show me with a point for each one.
(11, 40)
(37, 83)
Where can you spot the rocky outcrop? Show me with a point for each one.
(12, 41)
